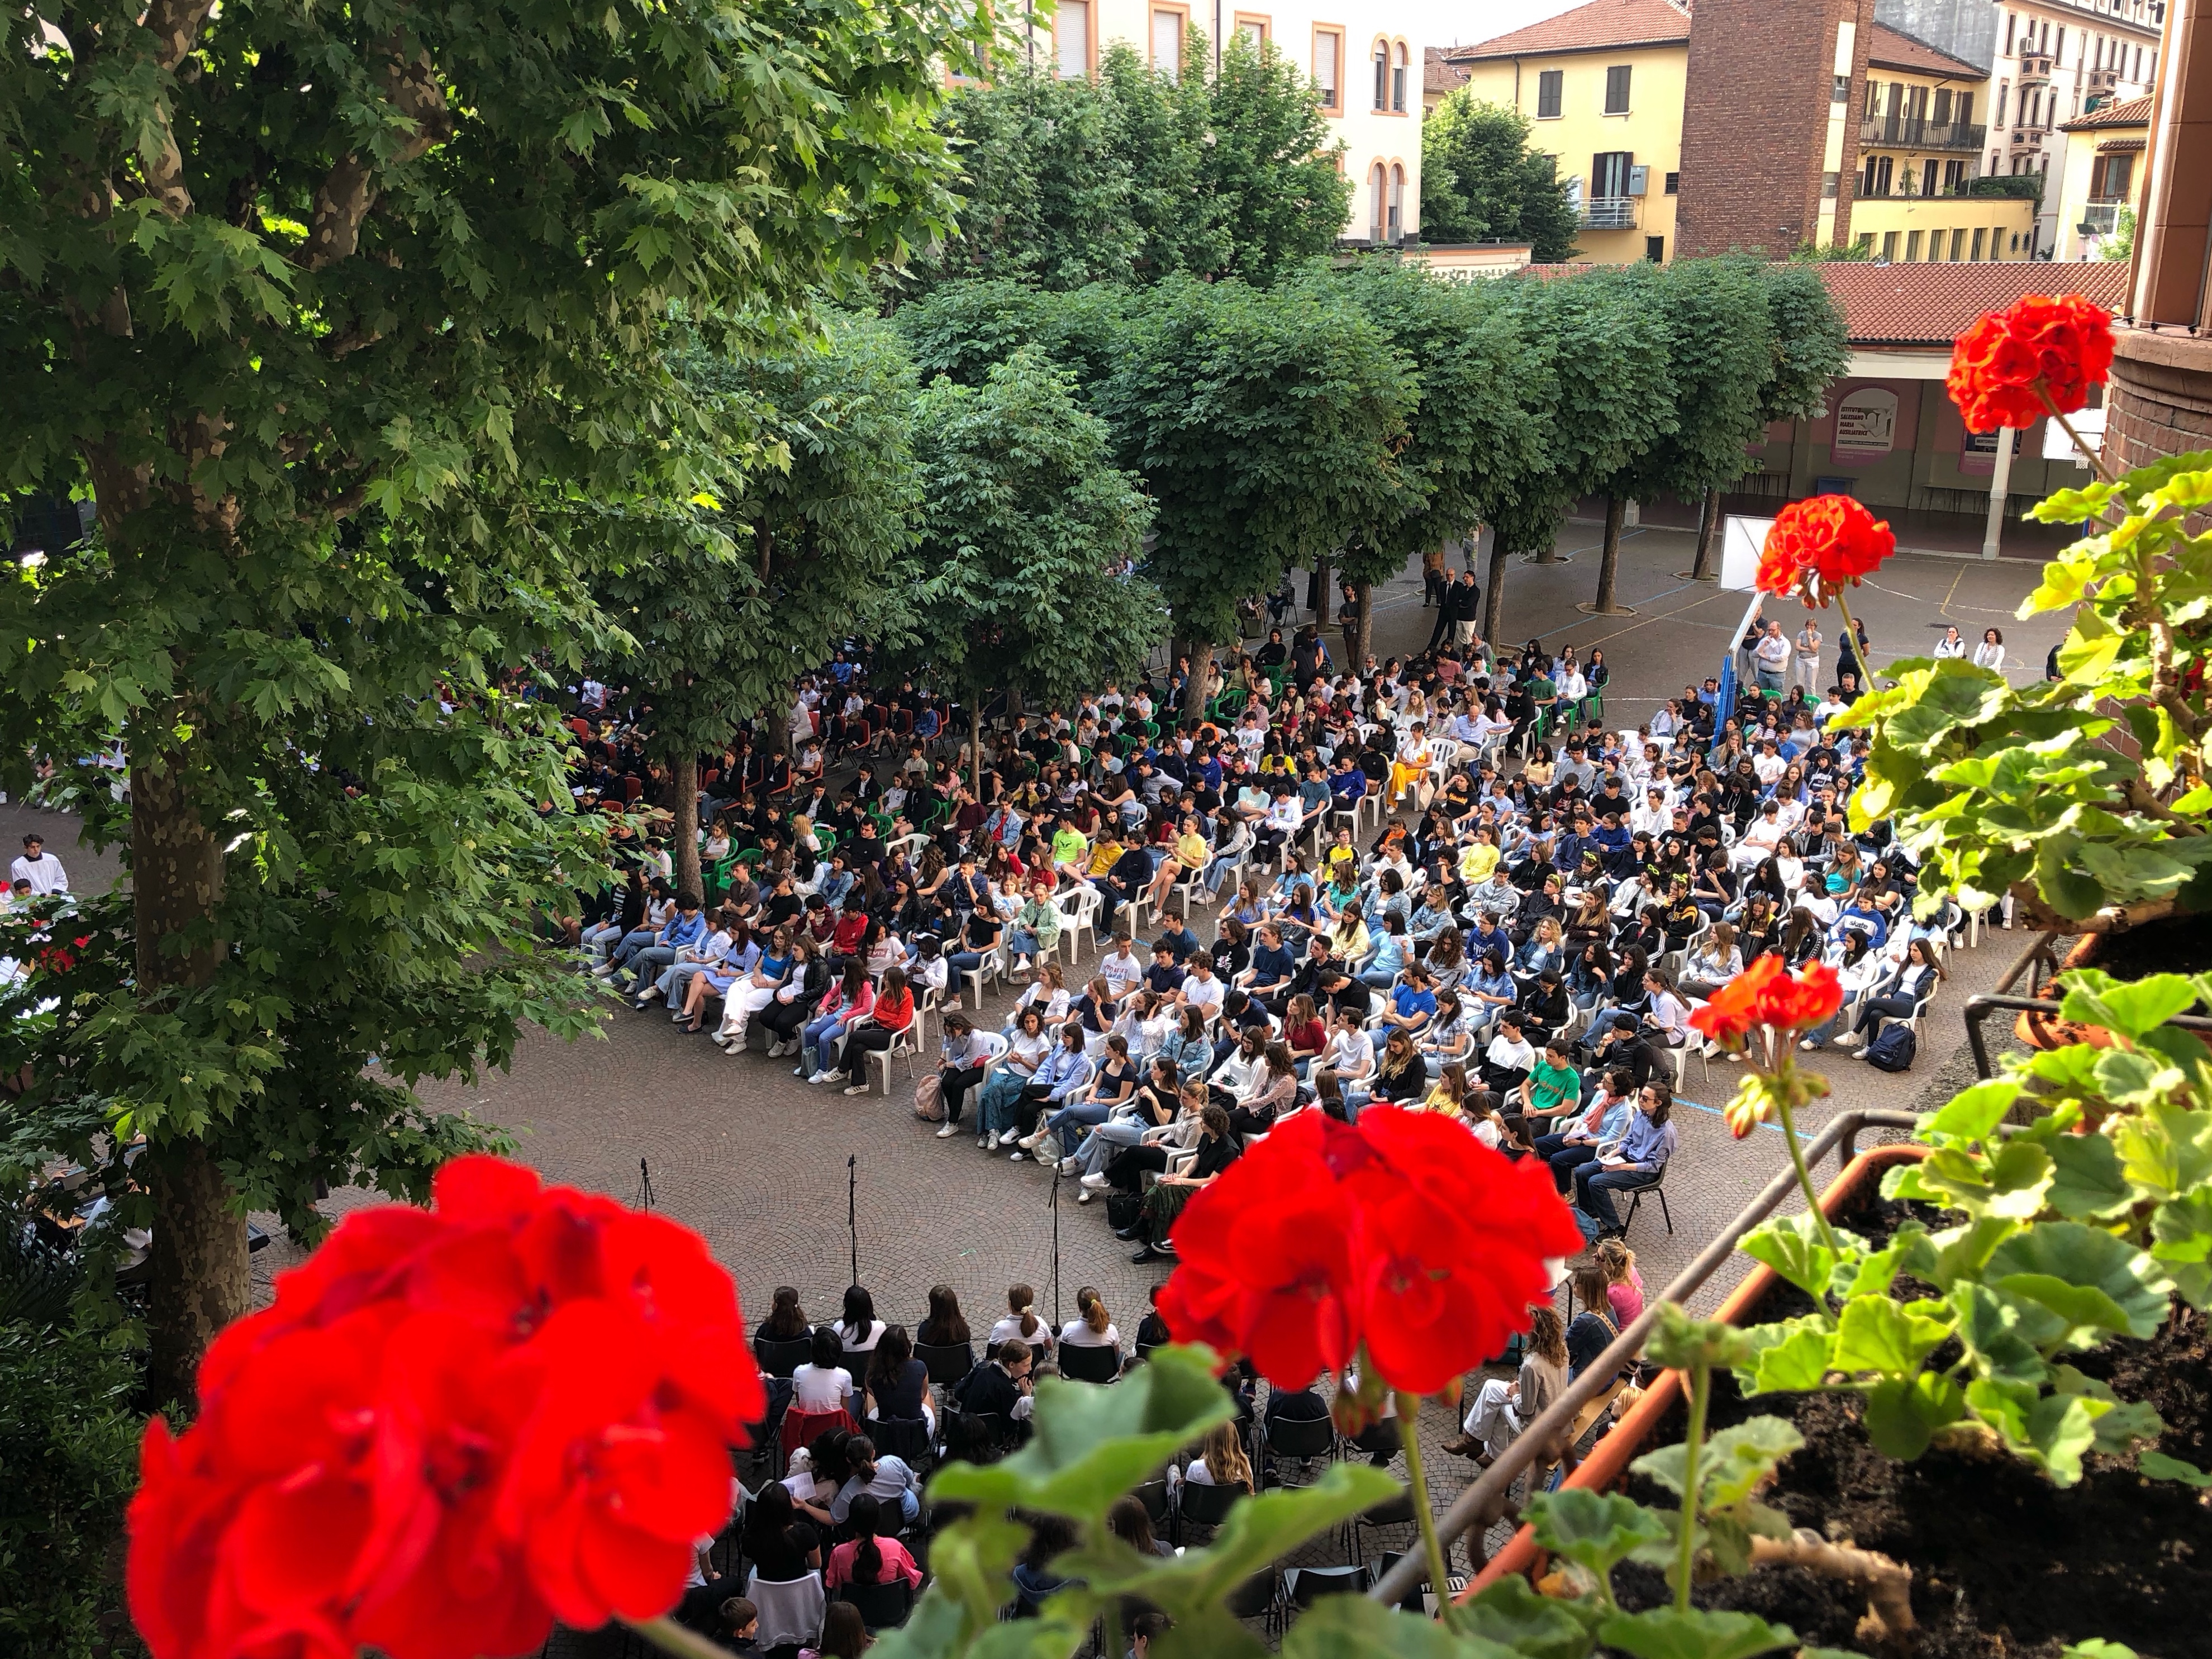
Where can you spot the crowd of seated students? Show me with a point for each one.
(1447, 884)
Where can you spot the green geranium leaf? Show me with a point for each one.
(968, 1562)
(1354, 1628)
(1094, 1442)
(2096, 1647)
(1191, 1588)
(2131, 1007)
(1792, 1246)
(1511, 1613)
(1972, 1113)
(1665, 1634)
(2158, 1467)
(1903, 1413)
(1680, 1342)
(1872, 1275)
(1791, 1357)
(2087, 1180)
(1877, 1335)
(2129, 1279)
(1739, 1459)
(1594, 1530)
(2005, 1337)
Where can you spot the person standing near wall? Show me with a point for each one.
(1808, 662)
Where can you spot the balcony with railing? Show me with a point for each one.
(2100, 218)
(1917, 132)
(2034, 68)
(1611, 212)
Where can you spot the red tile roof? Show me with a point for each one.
(1601, 25)
(1890, 48)
(2135, 113)
(1930, 305)
(1439, 74)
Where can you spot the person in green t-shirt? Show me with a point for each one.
(1553, 1089)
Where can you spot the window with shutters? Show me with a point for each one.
(1551, 85)
(1071, 40)
(1167, 42)
(1378, 190)
(1328, 69)
(1381, 75)
(1399, 66)
(1616, 89)
(1394, 226)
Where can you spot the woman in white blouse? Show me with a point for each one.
(1953, 644)
(822, 1384)
(1989, 653)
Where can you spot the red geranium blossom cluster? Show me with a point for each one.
(2005, 366)
(1767, 993)
(1405, 1235)
(1821, 545)
(58, 958)
(453, 1426)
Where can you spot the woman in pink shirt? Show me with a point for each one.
(866, 1558)
(1624, 1285)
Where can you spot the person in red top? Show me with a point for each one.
(865, 1558)
(851, 927)
(886, 1024)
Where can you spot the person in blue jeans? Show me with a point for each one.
(1649, 1143)
(853, 998)
(683, 930)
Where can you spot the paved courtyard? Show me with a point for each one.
(758, 1161)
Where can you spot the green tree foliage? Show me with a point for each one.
(963, 329)
(727, 604)
(1607, 367)
(1030, 536)
(1266, 427)
(1471, 440)
(321, 305)
(1481, 180)
(1144, 175)
(68, 1443)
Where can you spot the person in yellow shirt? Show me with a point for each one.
(1189, 856)
(1448, 1097)
(1070, 848)
(1479, 858)
(1105, 855)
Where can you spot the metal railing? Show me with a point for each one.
(1841, 1136)
(1611, 212)
(1919, 132)
(2041, 963)
(2100, 218)
(2034, 68)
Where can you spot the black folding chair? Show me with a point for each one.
(947, 1362)
(1390, 1512)
(1304, 1438)
(1655, 1185)
(883, 1605)
(1200, 1505)
(1089, 1364)
(1258, 1597)
(781, 1357)
(907, 1438)
(1304, 1586)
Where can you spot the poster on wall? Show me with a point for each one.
(1866, 423)
(1978, 454)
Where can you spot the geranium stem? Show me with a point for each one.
(1409, 1431)
(1692, 1443)
(1851, 634)
(670, 1636)
(1805, 1175)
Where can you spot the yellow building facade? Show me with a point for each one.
(1603, 87)
(2106, 168)
(1923, 123)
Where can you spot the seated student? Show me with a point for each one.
(996, 1387)
(1505, 1063)
(738, 1627)
(1153, 1330)
(1092, 1327)
(868, 1557)
(886, 1478)
(1643, 1152)
(1551, 1092)
(823, 1384)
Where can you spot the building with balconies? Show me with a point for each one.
(2101, 194)
(1921, 136)
(2058, 61)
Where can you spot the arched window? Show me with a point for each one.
(1381, 75)
(1395, 226)
(1398, 82)
(1378, 191)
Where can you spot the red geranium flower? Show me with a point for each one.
(2005, 366)
(451, 1428)
(1821, 545)
(1766, 994)
(1405, 1236)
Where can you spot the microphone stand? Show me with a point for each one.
(853, 1209)
(1052, 1202)
(644, 1186)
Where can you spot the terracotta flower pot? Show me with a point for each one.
(1609, 1459)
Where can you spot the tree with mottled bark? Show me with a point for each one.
(335, 314)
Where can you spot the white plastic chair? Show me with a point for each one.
(1079, 911)
(906, 1043)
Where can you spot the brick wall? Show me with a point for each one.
(2161, 397)
(1755, 123)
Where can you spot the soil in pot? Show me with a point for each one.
(2173, 945)
(2005, 1565)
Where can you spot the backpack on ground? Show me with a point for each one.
(1891, 1049)
(1123, 1208)
(929, 1098)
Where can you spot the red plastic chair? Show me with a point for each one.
(633, 787)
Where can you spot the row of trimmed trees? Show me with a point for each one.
(1352, 417)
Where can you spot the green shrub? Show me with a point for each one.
(69, 1444)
